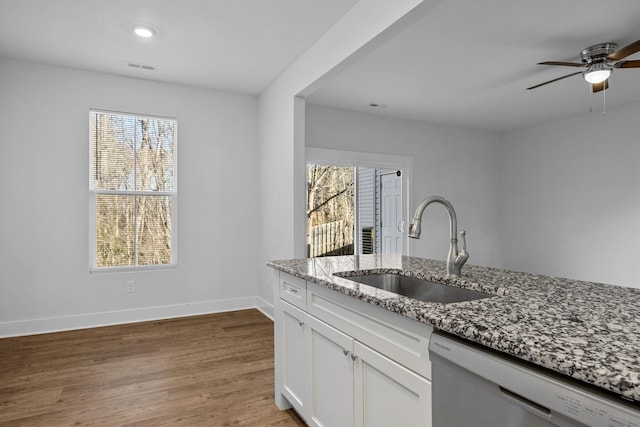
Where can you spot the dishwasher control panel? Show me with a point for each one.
(593, 413)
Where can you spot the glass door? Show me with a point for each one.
(354, 210)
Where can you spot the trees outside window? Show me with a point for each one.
(330, 210)
(133, 189)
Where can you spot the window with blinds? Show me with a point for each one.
(133, 190)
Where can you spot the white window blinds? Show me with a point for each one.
(133, 189)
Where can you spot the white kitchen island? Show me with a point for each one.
(352, 354)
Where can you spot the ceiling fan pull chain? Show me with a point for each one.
(590, 98)
(604, 100)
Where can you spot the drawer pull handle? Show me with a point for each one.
(354, 357)
(346, 352)
(301, 324)
(292, 290)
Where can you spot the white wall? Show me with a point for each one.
(458, 164)
(45, 282)
(560, 198)
(570, 197)
(282, 118)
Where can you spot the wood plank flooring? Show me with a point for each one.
(212, 370)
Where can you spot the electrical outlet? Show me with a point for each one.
(131, 286)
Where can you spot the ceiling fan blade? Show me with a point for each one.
(625, 51)
(564, 64)
(628, 64)
(554, 80)
(597, 87)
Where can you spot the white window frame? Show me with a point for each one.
(93, 192)
(369, 160)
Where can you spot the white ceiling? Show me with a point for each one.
(468, 63)
(234, 45)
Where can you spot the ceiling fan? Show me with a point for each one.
(598, 61)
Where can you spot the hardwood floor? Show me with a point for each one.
(213, 370)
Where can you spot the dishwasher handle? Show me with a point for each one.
(524, 401)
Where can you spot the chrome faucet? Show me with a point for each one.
(455, 259)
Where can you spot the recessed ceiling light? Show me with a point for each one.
(143, 31)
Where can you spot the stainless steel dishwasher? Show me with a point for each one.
(472, 386)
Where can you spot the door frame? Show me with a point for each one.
(370, 160)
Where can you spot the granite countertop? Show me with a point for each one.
(588, 331)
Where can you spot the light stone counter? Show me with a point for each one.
(588, 331)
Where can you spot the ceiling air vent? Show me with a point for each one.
(141, 66)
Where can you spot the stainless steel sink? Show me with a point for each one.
(419, 289)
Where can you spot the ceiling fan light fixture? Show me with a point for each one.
(597, 73)
(598, 60)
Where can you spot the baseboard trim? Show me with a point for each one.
(265, 307)
(118, 317)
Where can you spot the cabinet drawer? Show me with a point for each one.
(397, 337)
(293, 290)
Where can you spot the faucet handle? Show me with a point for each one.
(463, 255)
(463, 233)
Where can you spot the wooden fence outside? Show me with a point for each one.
(330, 239)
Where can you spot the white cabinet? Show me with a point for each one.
(388, 394)
(331, 376)
(399, 338)
(354, 385)
(347, 363)
(291, 346)
(295, 357)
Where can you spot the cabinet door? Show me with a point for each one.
(295, 359)
(331, 376)
(388, 394)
